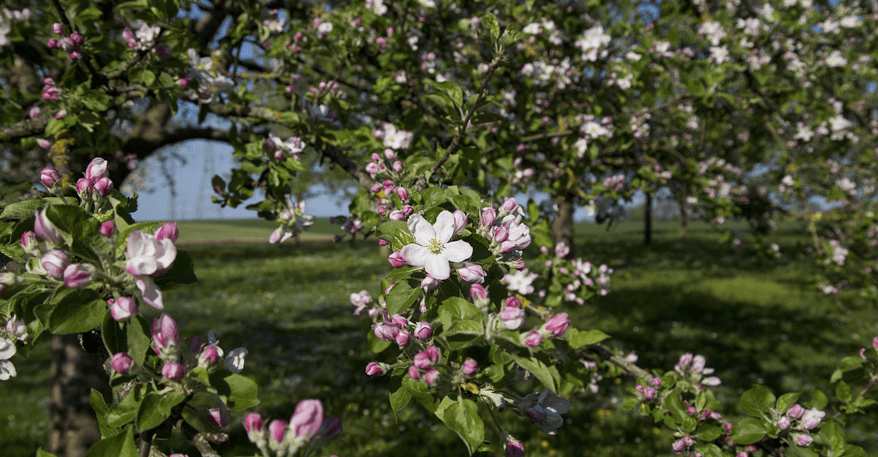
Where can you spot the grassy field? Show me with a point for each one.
(757, 321)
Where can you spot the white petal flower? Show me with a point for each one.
(235, 360)
(7, 350)
(431, 250)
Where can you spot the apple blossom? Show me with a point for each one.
(17, 328)
(307, 418)
(173, 371)
(802, 439)
(277, 429)
(215, 418)
(96, 169)
(513, 448)
(49, 176)
(557, 325)
(470, 367)
(149, 256)
(78, 275)
(431, 377)
(811, 418)
(432, 249)
(533, 339)
(54, 262)
(376, 368)
(107, 228)
(512, 318)
(46, 230)
(472, 273)
(122, 363)
(164, 333)
(123, 308)
(330, 428)
(423, 330)
(7, 350)
(253, 424)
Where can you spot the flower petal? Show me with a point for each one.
(437, 266)
(444, 226)
(421, 229)
(152, 295)
(166, 254)
(457, 251)
(7, 349)
(415, 255)
(7, 370)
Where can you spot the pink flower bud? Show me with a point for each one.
(470, 367)
(513, 448)
(58, 28)
(77, 38)
(397, 215)
(783, 423)
(460, 220)
(533, 339)
(29, 240)
(96, 169)
(389, 154)
(513, 302)
(509, 204)
(414, 373)
(375, 188)
(49, 176)
(173, 371)
(66, 44)
(104, 186)
(330, 428)
(123, 308)
(811, 418)
(52, 43)
(253, 424)
(429, 283)
(277, 429)
(372, 168)
(396, 259)
(107, 228)
(403, 338)
(307, 418)
(432, 377)
(488, 216)
(477, 292)
(209, 356)
(54, 262)
(128, 35)
(375, 157)
(796, 411)
(557, 325)
(122, 363)
(423, 361)
(513, 318)
(472, 273)
(164, 333)
(168, 230)
(84, 185)
(215, 418)
(402, 193)
(78, 275)
(423, 330)
(433, 352)
(803, 440)
(385, 331)
(376, 369)
(45, 229)
(500, 234)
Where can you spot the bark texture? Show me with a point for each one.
(562, 225)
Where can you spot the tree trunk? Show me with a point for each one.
(562, 225)
(647, 220)
(73, 427)
(684, 219)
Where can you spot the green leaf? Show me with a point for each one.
(676, 407)
(66, 218)
(141, 4)
(453, 91)
(239, 392)
(121, 445)
(21, 210)
(748, 431)
(709, 450)
(484, 118)
(785, 401)
(843, 392)
(401, 273)
(126, 410)
(400, 399)
(96, 400)
(709, 433)
(491, 25)
(456, 309)
(462, 416)
(756, 401)
(151, 413)
(42, 453)
(402, 296)
(376, 345)
(132, 337)
(835, 436)
(182, 271)
(579, 338)
(548, 375)
(420, 392)
(78, 311)
(819, 401)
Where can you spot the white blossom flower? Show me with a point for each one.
(431, 249)
(7, 350)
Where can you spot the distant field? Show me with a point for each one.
(246, 231)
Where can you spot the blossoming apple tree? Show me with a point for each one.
(441, 112)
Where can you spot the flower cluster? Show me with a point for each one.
(69, 44)
(292, 220)
(798, 422)
(307, 426)
(693, 369)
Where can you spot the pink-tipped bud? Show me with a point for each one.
(58, 28)
(488, 216)
(372, 168)
(54, 262)
(52, 43)
(215, 418)
(164, 333)
(513, 448)
(402, 193)
(66, 44)
(470, 367)
(17, 328)
(45, 229)
(403, 338)
(500, 234)
(423, 330)
(422, 361)
(96, 169)
(43, 143)
(49, 176)
(385, 331)
(376, 369)
(460, 220)
(414, 373)
(108, 228)
(253, 424)
(397, 215)
(375, 157)
(122, 363)
(432, 377)
(398, 166)
(512, 318)
(477, 292)
(123, 308)
(472, 273)
(307, 418)
(796, 411)
(557, 325)
(78, 275)
(533, 339)
(429, 283)
(104, 186)
(168, 230)
(277, 429)
(77, 38)
(509, 204)
(84, 185)
(396, 259)
(389, 154)
(173, 371)
(209, 357)
(513, 302)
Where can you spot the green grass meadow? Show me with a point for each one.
(757, 321)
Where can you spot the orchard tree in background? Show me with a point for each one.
(440, 112)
